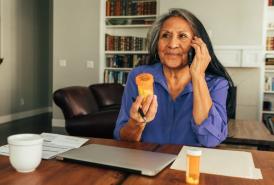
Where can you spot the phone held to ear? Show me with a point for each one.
(191, 55)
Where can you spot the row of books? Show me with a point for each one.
(269, 83)
(125, 61)
(124, 43)
(270, 43)
(270, 2)
(130, 7)
(269, 61)
(115, 76)
(138, 21)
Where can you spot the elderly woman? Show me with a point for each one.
(190, 86)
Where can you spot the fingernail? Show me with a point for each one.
(145, 119)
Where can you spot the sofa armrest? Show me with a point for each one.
(75, 101)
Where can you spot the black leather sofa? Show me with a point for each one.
(90, 111)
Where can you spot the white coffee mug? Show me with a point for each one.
(25, 151)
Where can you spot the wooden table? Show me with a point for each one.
(252, 133)
(53, 172)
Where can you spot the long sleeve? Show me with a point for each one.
(213, 130)
(129, 92)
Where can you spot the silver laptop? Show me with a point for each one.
(136, 161)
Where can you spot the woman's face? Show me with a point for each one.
(174, 42)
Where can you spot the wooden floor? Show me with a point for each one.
(36, 124)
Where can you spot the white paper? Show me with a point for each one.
(63, 140)
(4, 150)
(222, 162)
(53, 144)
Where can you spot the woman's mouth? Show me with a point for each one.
(173, 54)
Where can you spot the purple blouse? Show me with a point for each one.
(174, 123)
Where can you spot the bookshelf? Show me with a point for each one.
(126, 23)
(268, 108)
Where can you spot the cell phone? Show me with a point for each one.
(191, 54)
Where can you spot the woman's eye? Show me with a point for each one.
(165, 35)
(182, 36)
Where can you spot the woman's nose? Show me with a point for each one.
(173, 42)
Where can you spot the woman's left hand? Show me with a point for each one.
(201, 58)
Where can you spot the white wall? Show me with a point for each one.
(248, 92)
(230, 22)
(75, 40)
(25, 47)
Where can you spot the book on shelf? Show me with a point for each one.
(124, 43)
(108, 8)
(117, 7)
(130, 7)
(269, 61)
(270, 2)
(124, 60)
(269, 84)
(267, 105)
(270, 43)
(111, 76)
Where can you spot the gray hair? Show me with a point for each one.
(153, 34)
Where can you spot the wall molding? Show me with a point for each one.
(24, 114)
(58, 122)
(240, 56)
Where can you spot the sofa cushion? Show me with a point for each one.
(108, 94)
(100, 124)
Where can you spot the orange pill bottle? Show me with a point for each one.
(193, 166)
(144, 83)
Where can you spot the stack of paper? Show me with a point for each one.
(53, 144)
(222, 162)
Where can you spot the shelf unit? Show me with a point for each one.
(268, 108)
(125, 26)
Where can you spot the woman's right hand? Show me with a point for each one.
(149, 107)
